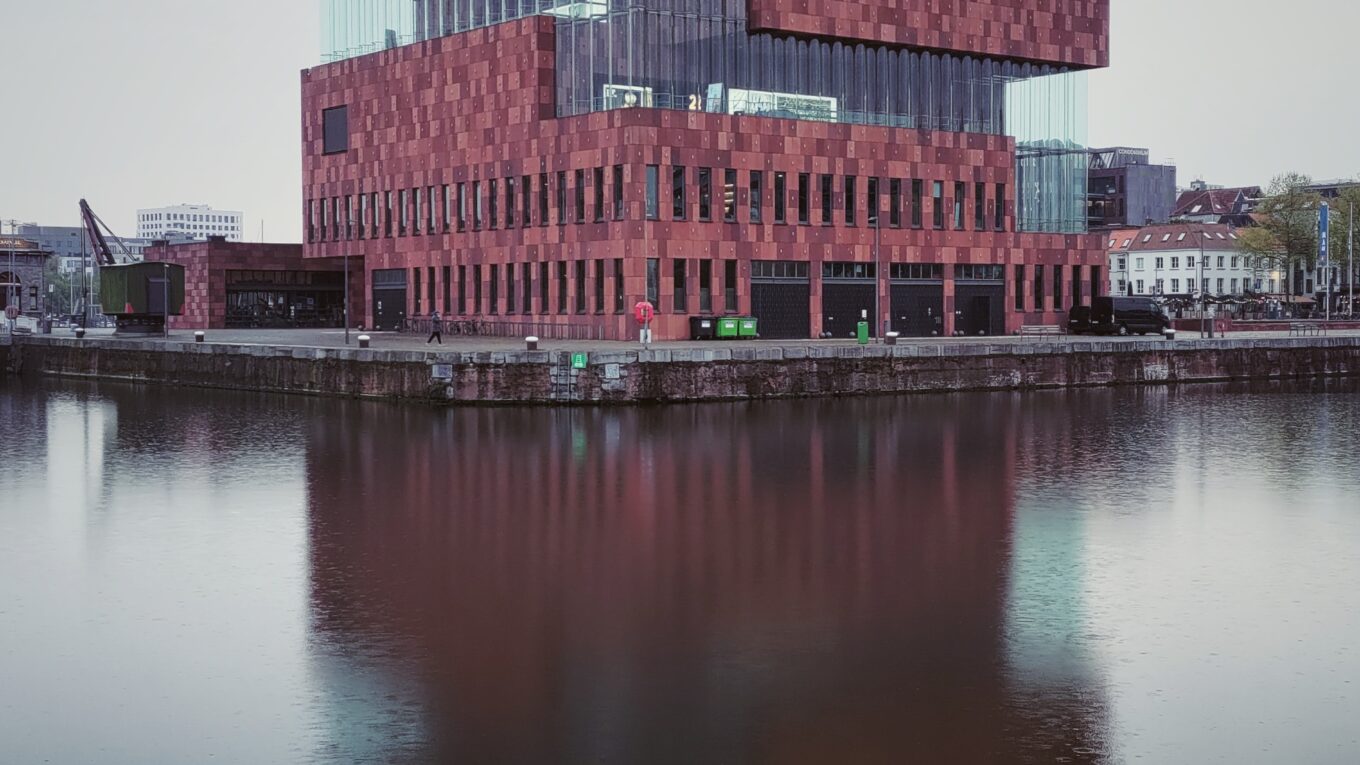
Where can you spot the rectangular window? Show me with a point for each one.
(730, 286)
(960, 195)
(620, 299)
(1038, 288)
(543, 201)
(562, 287)
(1019, 288)
(561, 197)
(373, 206)
(462, 207)
(526, 193)
(654, 281)
(1000, 223)
(1176, 263)
(917, 191)
(446, 206)
(363, 216)
(599, 278)
(493, 204)
(417, 225)
(804, 198)
(476, 205)
(757, 196)
(1057, 288)
(599, 194)
(527, 277)
(462, 289)
(430, 205)
(781, 198)
(415, 292)
(937, 199)
(680, 296)
(980, 207)
(495, 289)
(335, 130)
(827, 185)
(1139, 288)
(477, 290)
(1176, 285)
(705, 286)
(543, 279)
(387, 214)
(403, 204)
(349, 217)
(849, 200)
(1096, 283)
(653, 194)
(510, 202)
(312, 220)
(580, 286)
(872, 193)
(730, 196)
(618, 192)
(447, 290)
(678, 198)
(580, 196)
(1076, 285)
(895, 203)
(430, 289)
(509, 287)
(705, 194)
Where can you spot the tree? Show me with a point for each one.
(1285, 239)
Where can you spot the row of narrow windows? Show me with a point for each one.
(562, 197)
(584, 286)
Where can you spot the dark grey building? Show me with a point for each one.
(22, 282)
(1127, 190)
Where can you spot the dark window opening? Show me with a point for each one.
(476, 205)
(705, 286)
(849, 200)
(580, 286)
(653, 194)
(580, 196)
(599, 194)
(462, 207)
(1019, 288)
(493, 204)
(653, 280)
(705, 194)
(895, 203)
(678, 197)
(917, 216)
(730, 196)
(620, 298)
(681, 298)
(781, 200)
(937, 200)
(562, 287)
(980, 207)
(1000, 207)
(827, 201)
(526, 192)
(509, 287)
(335, 130)
(757, 196)
(543, 199)
(804, 199)
(477, 290)
(415, 292)
(561, 197)
(599, 282)
(618, 192)
(730, 286)
(462, 289)
(510, 202)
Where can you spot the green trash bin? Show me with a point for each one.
(728, 329)
(862, 332)
(748, 327)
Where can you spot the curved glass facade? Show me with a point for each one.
(697, 55)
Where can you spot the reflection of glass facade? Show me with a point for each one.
(697, 55)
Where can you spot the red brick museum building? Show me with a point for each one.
(542, 166)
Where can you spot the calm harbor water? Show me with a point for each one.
(1107, 576)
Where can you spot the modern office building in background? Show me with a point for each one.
(545, 165)
(195, 222)
(1128, 189)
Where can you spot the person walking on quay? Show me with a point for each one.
(436, 329)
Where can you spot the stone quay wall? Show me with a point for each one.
(678, 375)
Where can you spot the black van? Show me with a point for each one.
(1118, 316)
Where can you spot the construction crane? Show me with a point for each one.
(140, 296)
(94, 229)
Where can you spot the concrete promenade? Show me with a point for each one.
(396, 341)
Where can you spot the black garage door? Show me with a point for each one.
(389, 298)
(843, 306)
(782, 309)
(918, 309)
(980, 309)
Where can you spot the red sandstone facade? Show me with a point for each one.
(479, 107)
(206, 268)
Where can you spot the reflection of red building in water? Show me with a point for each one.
(804, 582)
(546, 164)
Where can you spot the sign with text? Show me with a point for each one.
(1324, 236)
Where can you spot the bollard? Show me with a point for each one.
(198, 337)
(892, 338)
(80, 333)
(531, 343)
(363, 341)
(1170, 334)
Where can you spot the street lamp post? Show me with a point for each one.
(878, 276)
(346, 309)
(165, 293)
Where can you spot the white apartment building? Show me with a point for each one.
(1182, 259)
(189, 221)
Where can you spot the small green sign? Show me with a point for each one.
(578, 361)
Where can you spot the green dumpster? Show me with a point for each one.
(748, 327)
(728, 329)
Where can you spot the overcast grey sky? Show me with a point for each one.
(158, 102)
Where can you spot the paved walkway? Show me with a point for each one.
(335, 338)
